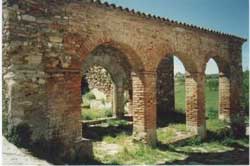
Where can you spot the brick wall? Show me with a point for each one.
(45, 44)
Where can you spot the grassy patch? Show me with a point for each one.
(180, 96)
(213, 147)
(90, 114)
(211, 98)
(169, 134)
(216, 125)
(135, 153)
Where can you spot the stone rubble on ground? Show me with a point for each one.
(15, 156)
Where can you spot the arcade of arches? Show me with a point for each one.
(48, 45)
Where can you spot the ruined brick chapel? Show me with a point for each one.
(48, 45)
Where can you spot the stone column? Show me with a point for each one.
(195, 103)
(118, 101)
(224, 97)
(165, 86)
(27, 103)
(144, 107)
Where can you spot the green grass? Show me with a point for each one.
(90, 114)
(137, 153)
(211, 98)
(179, 96)
(134, 153)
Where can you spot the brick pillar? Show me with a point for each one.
(236, 75)
(236, 114)
(165, 86)
(224, 97)
(144, 108)
(64, 100)
(195, 103)
(118, 101)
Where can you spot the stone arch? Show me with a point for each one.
(109, 60)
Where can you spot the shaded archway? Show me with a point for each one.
(170, 91)
(224, 87)
(212, 90)
(116, 65)
(189, 120)
(110, 59)
(98, 94)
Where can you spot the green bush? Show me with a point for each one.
(108, 112)
(212, 113)
(117, 122)
(20, 135)
(90, 96)
(191, 141)
(4, 110)
(245, 92)
(213, 84)
(5, 123)
(91, 114)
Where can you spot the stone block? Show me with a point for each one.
(83, 149)
(28, 18)
(34, 59)
(55, 39)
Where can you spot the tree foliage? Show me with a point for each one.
(213, 84)
(245, 92)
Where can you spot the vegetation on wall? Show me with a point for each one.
(245, 93)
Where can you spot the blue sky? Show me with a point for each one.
(229, 16)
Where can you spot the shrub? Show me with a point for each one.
(245, 94)
(108, 112)
(5, 123)
(90, 96)
(91, 114)
(191, 141)
(238, 126)
(4, 110)
(213, 84)
(212, 113)
(20, 135)
(117, 122)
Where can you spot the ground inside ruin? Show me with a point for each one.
(113, 144)
(16, 156)
(176, 145)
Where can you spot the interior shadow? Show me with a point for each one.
(98, 132)
(238, 156)
(169, 117)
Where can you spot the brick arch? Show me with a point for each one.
(81, 48)
(108, 62)
(75, 44)
(223, 63)
(186, 59)
(113, 62)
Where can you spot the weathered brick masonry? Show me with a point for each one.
(47, 44)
